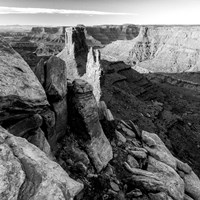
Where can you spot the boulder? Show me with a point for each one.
(157, 149)
(28, 174)
(55, 79)
(183, 167)
(173, 183)
(84, 120)
(192, 185)
(120, 137)
(21, 94)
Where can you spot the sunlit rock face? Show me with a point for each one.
(160, 49)
(81, 63)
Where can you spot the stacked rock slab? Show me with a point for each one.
(28, 174)
(84, 121)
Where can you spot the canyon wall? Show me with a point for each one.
(109, 33)
(102, 34)
(170, 49)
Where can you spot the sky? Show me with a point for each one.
(97, 12)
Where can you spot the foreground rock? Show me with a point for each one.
(27, 173)
(53, 76)
(21, 94)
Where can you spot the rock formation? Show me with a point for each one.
(84, 109)
(27, 170)
(170, 49)
(59, 141)
(27, 173)
(21, 93)
(81, 63)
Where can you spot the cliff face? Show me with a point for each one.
(170, 49)
(109, 33)
(81, 62)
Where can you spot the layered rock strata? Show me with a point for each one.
(84, 111)
(168, 49)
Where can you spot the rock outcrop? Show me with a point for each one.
(81, 63)
(84, 111)
(21, 94)
(27, 173)
(53, 76)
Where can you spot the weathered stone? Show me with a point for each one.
(109, 116)
(157, 149)
(145, 180)
(138, 154)
(140, 149)
(40, 72)
(132, 162)
(60, 109)
(83, 111)
(120, 137)
(21, 94)
(114, 186)
(159, 178)
(12, 175)
(26, 125)
(100, 151)
(38, 139)
(44, 178)
(192, 185)
(125, 124)
(183, 167)
(135, 193)
(135, 129)
(127, 131)
(174, 185)
(56, 79)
